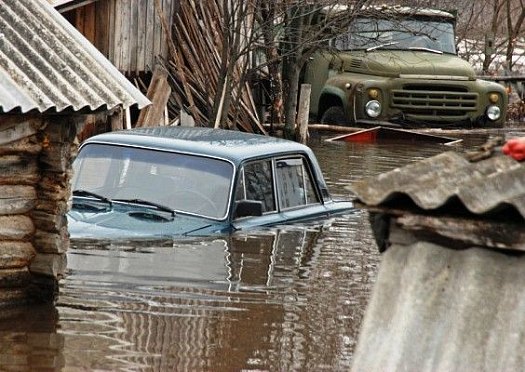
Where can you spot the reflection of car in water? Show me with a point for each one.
(399, 66)
(173, 181)
(240, 260)
(185, 303)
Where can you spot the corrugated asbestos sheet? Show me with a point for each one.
(436, 309)
(448, 181)
(46, 65)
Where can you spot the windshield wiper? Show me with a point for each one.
(423, 49)
(382, 46)
(92, 195)
(147, 203)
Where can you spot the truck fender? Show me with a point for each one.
(332, 96)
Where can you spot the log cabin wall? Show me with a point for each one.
(127, 32)
(35, 159)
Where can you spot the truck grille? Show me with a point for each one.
(434, 100)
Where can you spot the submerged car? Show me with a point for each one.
(179, 181)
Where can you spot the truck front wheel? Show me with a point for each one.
(335, 115)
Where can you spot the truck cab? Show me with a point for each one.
(399, 67)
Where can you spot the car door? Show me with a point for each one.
(285, 188)
(297, 194)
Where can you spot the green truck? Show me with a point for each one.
(399, 67)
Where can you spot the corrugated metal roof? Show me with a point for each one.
(449, 180)
(437, 309)
(48, 66)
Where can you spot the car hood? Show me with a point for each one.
(137, 224)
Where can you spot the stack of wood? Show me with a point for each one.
(194, 68)
(34, 185)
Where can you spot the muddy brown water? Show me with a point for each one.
(283, 299)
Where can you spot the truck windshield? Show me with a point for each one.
(413, 34)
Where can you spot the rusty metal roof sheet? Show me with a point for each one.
(447, 181)
(46, 65)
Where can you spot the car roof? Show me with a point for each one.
(232, 145)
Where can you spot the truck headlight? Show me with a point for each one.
(493, 113)
(373, 108)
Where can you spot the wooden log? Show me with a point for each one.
(62, 130)
(13, 296)
(56, 157)
(17, 278)
(51, 242)
(17, 199)
(54, 181)
(17, 227)
(15, 254)
(54, 196)
(26, 146)
(51, 265)
(18, 170)
(53, 207)
(13, 128)
(49, 222)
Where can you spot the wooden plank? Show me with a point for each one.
(80, 19)
(89, 22)
(125, 30)
(117, 120)
(158, 34)
(158, 93)
(456, 232)
(151, 16)
(142, 20)
(102, 26)
(117, 32)
(134, 35)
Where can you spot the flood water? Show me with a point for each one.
(282, 299)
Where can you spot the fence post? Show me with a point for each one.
(303, 112)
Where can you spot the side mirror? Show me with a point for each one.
(246, 208)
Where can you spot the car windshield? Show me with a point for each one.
(185, 183)
(412, 34)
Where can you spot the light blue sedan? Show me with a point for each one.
(176, 181)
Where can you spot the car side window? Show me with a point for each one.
(294, 183)
(256, 183)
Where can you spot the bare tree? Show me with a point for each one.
(304, 28)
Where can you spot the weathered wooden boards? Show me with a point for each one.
(127, 32)
(195, 66)
(35, 160)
